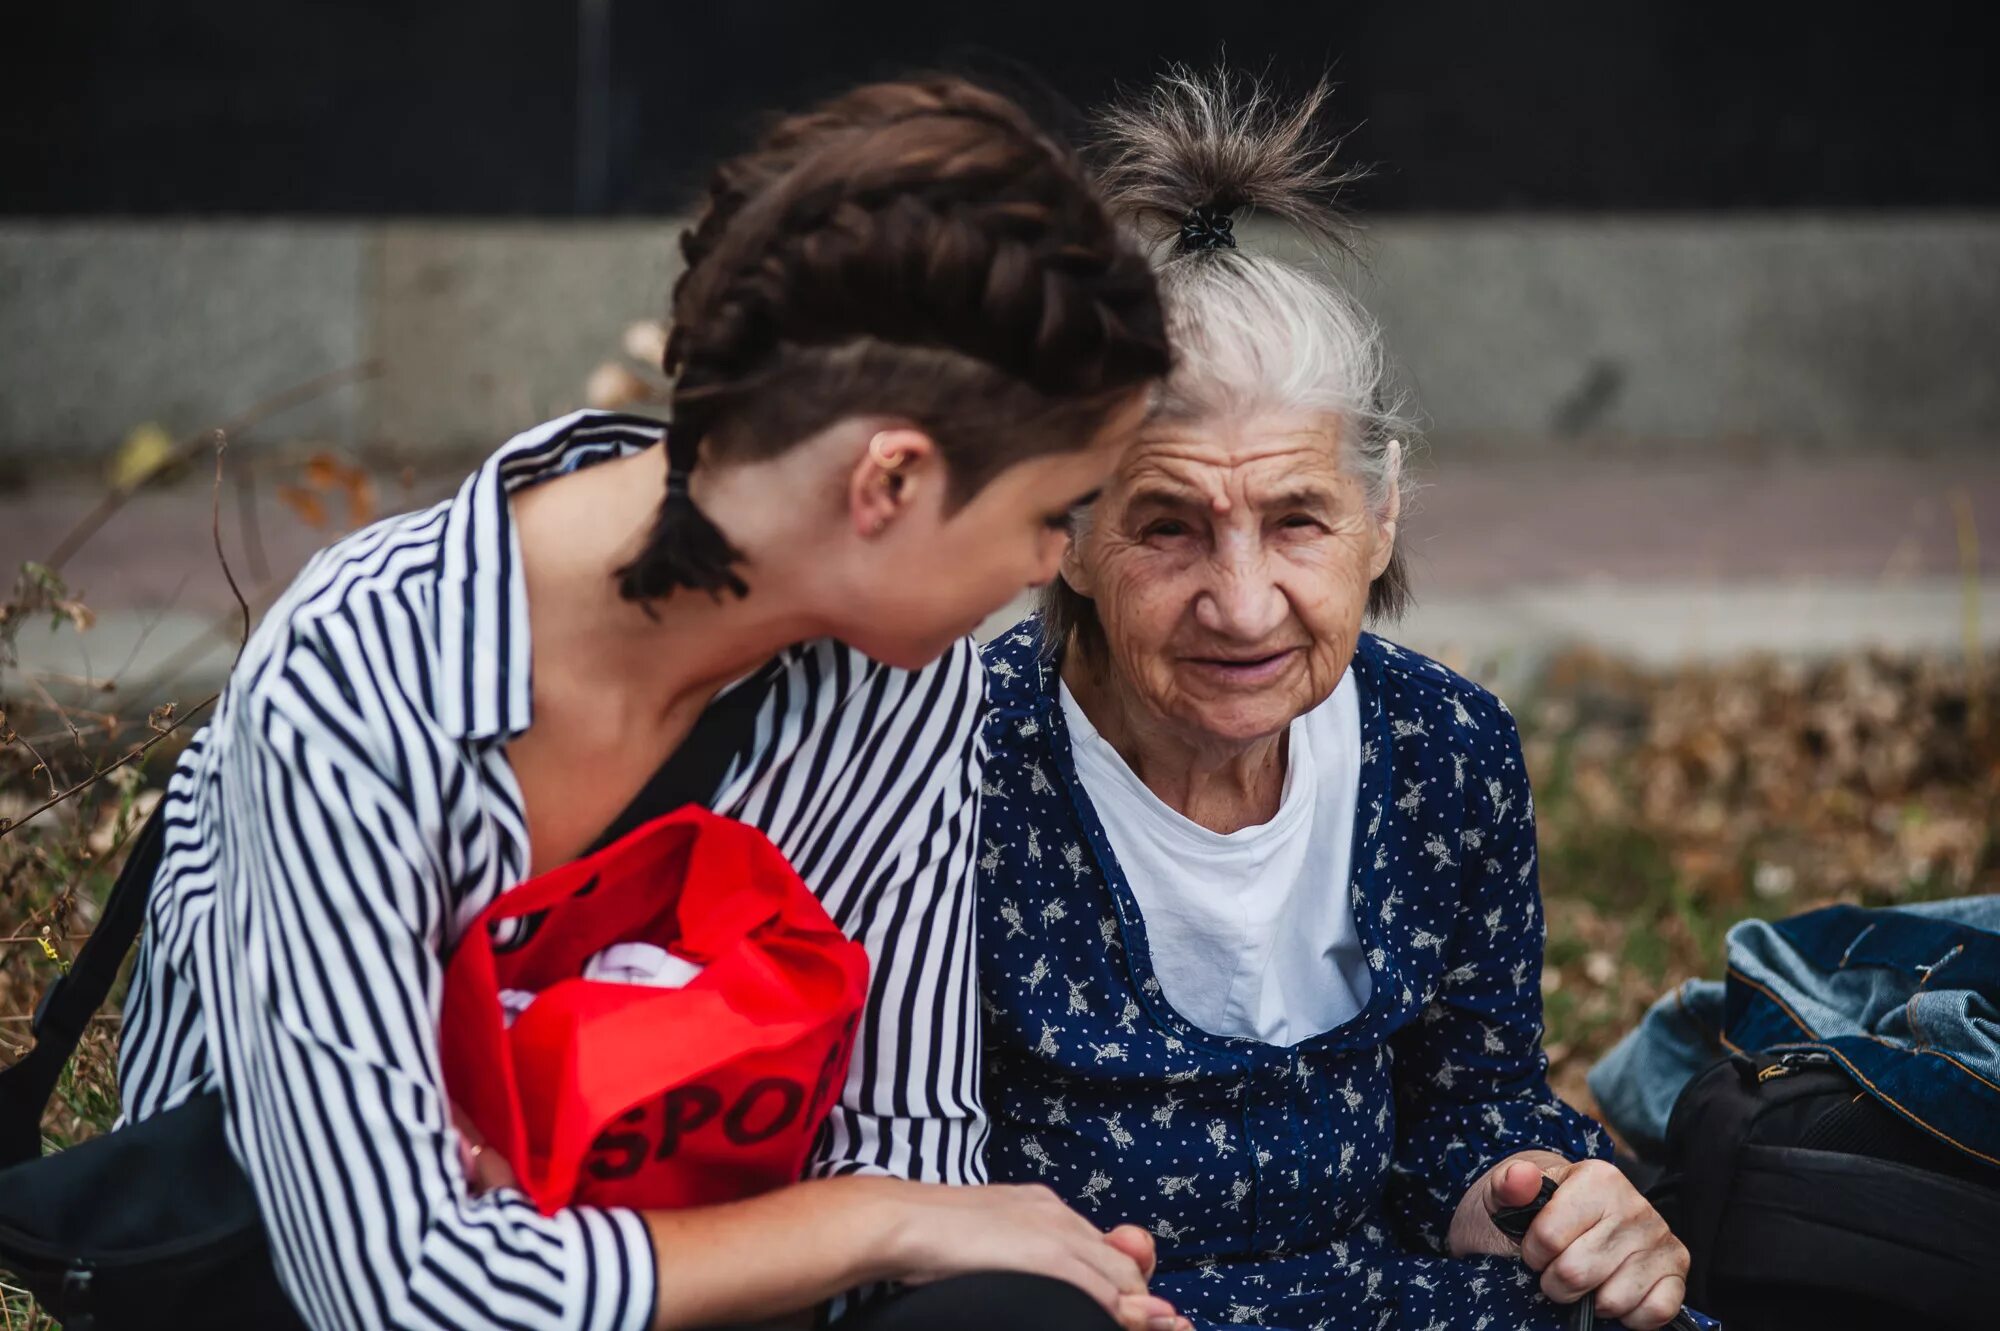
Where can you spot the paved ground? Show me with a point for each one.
(1662, 561)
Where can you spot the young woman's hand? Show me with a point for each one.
(1025, 1227)
(939, 1231)
(1596, 1237)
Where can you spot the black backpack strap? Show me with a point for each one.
(70, 1001)
(1706, 1132)
(1870, 1233)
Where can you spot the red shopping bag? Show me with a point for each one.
(628, 1095)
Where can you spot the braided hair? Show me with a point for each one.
(916, 249)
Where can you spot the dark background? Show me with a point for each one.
(564, 107)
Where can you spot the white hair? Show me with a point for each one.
(1254, 333)
(1251, 332)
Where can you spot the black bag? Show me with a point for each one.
(1806, 1203)
(154, 1225)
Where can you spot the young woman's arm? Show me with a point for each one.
(323, 990)
(716, 1266)
(895, 864)
(771, 1255)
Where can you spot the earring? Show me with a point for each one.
(881, 525)
(886, 456)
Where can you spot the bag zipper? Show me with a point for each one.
(76, 1288)
(1793, 1060)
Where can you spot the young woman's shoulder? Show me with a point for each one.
(349, 655)
(428, 606)
(932, 710)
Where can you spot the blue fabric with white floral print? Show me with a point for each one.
(1309, 1186)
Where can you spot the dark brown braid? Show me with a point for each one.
(917, 250)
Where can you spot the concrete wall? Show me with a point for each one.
(103, 326)
(1814, 331)
(1692, 332)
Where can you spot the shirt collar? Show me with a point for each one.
(485, 686)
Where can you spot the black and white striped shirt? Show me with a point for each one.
(350, 810)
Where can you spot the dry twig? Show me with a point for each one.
(215, 527)
(93, 521)
(8, 828)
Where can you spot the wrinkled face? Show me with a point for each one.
(1230, 563)
(934, 575)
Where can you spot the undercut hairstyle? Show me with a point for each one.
(918, 250)
(1251, 332)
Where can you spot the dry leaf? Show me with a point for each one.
(145, 450)
(646, 342)
(305, 503)
(612, 386)
(323, 472)
(329, 475)
(360, 493)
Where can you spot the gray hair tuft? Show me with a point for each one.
(1221, 140)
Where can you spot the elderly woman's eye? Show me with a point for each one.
(1302, 521)
(1165, 527)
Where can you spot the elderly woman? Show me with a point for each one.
(1261, 938)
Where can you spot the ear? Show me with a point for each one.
(1392, 512)
(895, 467)
(1074, 571)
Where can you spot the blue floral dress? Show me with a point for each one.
(1309, 1186)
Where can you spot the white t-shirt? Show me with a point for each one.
(1252, 933)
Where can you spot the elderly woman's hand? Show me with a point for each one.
(485, 1168)
(1597, 1234)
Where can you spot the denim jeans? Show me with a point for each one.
(1908, 999)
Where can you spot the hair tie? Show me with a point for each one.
(677, 483)
(1206, 227)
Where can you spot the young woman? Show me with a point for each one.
(907, 340)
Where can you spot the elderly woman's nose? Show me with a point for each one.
(1242, 600)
